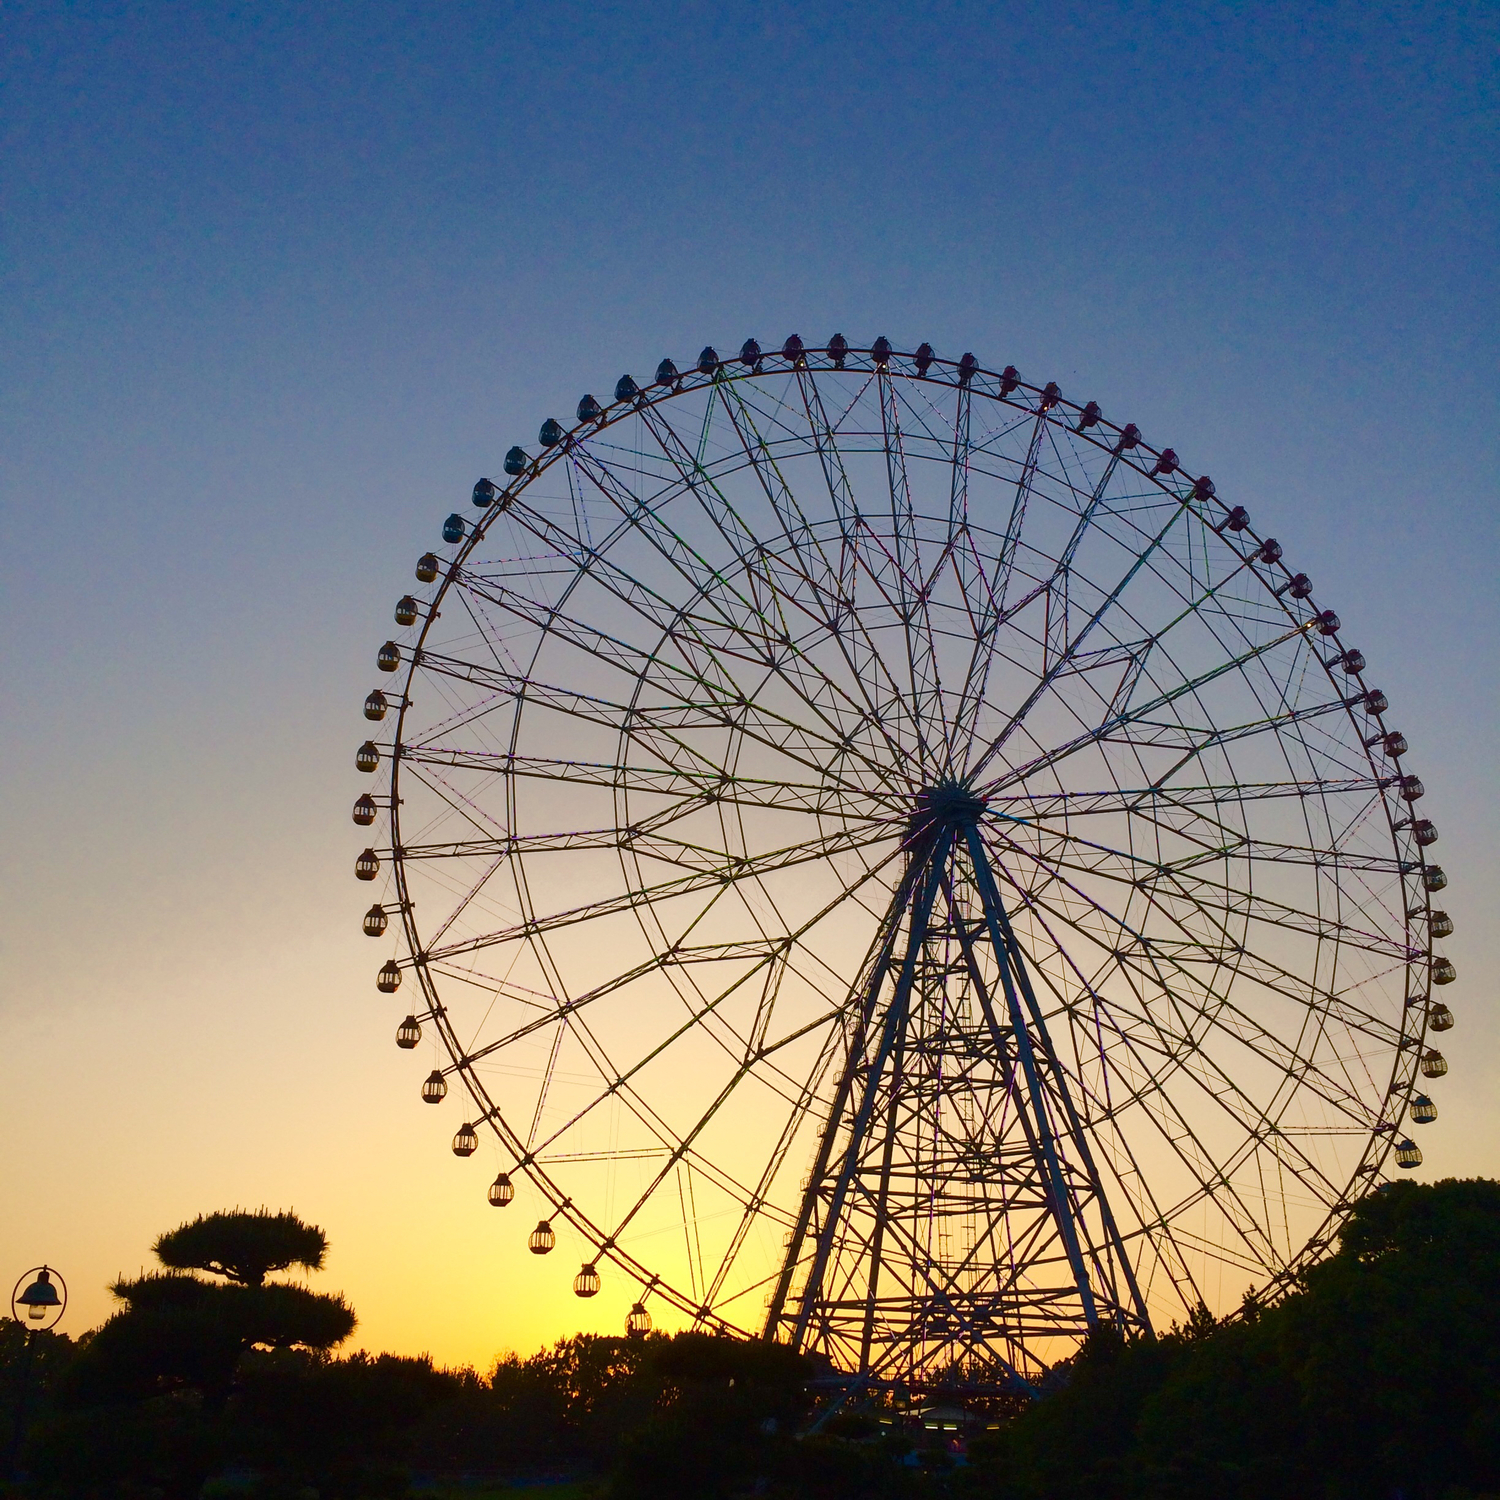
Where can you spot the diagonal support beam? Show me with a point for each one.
(1057, 1188)
(882, 954)
(1017, 986)
(931, 866)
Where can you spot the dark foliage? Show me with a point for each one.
(241, 1246)
(689, 1410)
(721, 1421)
(1379, 1376)
(342, 1426)
(601, 1387)
(145, 1400)
(157, 1351)
(157, 1447)
(517, 1422)
(177, 1331)
(33, 1362)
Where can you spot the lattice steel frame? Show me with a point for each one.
(945, 941)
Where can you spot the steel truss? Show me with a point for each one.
(997, 1149)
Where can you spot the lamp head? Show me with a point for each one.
(40, 1298)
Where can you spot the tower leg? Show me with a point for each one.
(1014, 975)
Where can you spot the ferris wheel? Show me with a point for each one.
(894, 865)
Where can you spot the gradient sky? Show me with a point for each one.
(277, 282)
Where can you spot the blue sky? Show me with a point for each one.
(277, 282)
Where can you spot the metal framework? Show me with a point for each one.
(900, 868)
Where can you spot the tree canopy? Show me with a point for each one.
(179, 1330)
(243, 1247)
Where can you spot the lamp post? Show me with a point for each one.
(43, 1302)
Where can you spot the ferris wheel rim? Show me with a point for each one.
(951, 376)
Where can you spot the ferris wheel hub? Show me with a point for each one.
(947, 804)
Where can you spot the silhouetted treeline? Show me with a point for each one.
(211, 1374)
(684, 1415)
(1378, 1378)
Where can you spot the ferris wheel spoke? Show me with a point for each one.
(594, 564)
(1213, 1182)
(993, 614)
(1020, 502)
(921, 653)
(1274, 852)
(744, 1065)
(1058, 586)
(643, 836)
(1229, 951)
(647, 521)
(816, 568)
(1237, 1025)
(1153, 1223)
(775, 649)
(1141, 958)
(680, 1152)
(1153, 642)
(679, 955)
(614, 650)
(792, 738)
(1116, 721)
(1211, 592)
(733, 869)
(1197, 889)
(1070, 653)
(758, 1049)
(465, 900)
(627, 658)
(984, 622)
(840, 491)
(616, 1083)
(1214, 840)
(551, 1011)
(694, 786)
(765, 600)
(1216, 1011)
(860, 654)
(958, 478)
(468, 811)
(747, 617)
(1086, 516)
(1020, 806)
(975, 587)
(760, 1200)
(769, 597)
(645, 840)
(856, 538)
(493, 644)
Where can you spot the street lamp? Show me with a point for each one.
(44, 1307)
(44, 1304)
